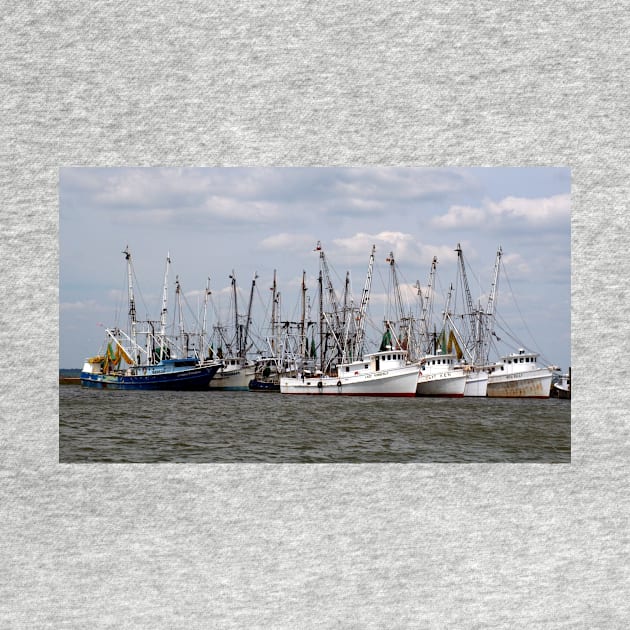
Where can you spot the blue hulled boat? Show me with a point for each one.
(263, 386)
(144, 357)
(178, 374)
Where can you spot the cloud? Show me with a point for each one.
(234, 209)
(534, 212)
(79, 305)
(169, 194)
(288, 243)
(460, 217)
(516, 264)
(402, 183)
(358, 247)
(408, 293)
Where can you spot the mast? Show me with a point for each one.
(274, 300)
(472, 314)
(475, 315)
(404, 321)
(396, 286)
(447, 307)
(347, 319)
(132, 303)
(365, 298)
(491, 307)
(182, 332)
(164, 308)
(243, 347)
(303, 317)
(427, 304)
(320, 280)
(332, 298)
(204, 343)
(237, 336)
(346, 294)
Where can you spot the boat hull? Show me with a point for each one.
(532, 384)
(399, 383)
(232, 380)
(476, 384)
(562, 391)
(263, 386)
(192, 379)
(449, 385)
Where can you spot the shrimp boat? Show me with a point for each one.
(266, 376)
(439, 376)
(179, 374)
(156, 364)
(562, 388)
(349, 372)
(384, 373)
(237, 369)
(518, 375)
(234, 375)
(514, 375)
(476, 380)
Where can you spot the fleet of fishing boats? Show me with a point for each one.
(327, 354)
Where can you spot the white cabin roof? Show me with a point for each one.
(520, 353)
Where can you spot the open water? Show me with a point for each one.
(229, 427)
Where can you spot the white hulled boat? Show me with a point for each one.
(439, 376)
(476, 380)
(237, 369)
(384, 373)
(234, 375)
(518, 375)
(562, 388)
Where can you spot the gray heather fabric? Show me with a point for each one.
(373, 546)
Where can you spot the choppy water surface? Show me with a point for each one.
(212, 427)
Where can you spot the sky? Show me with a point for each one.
(214, 222)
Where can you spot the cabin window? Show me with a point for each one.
(347, 369)
(366, 366)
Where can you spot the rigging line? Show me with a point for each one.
(505, 330)
(535, 345)
(332, 268)
(120, 301)
(384, 286)
(192, 313)
(403, 282)
(138, 291)
(479, 289)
